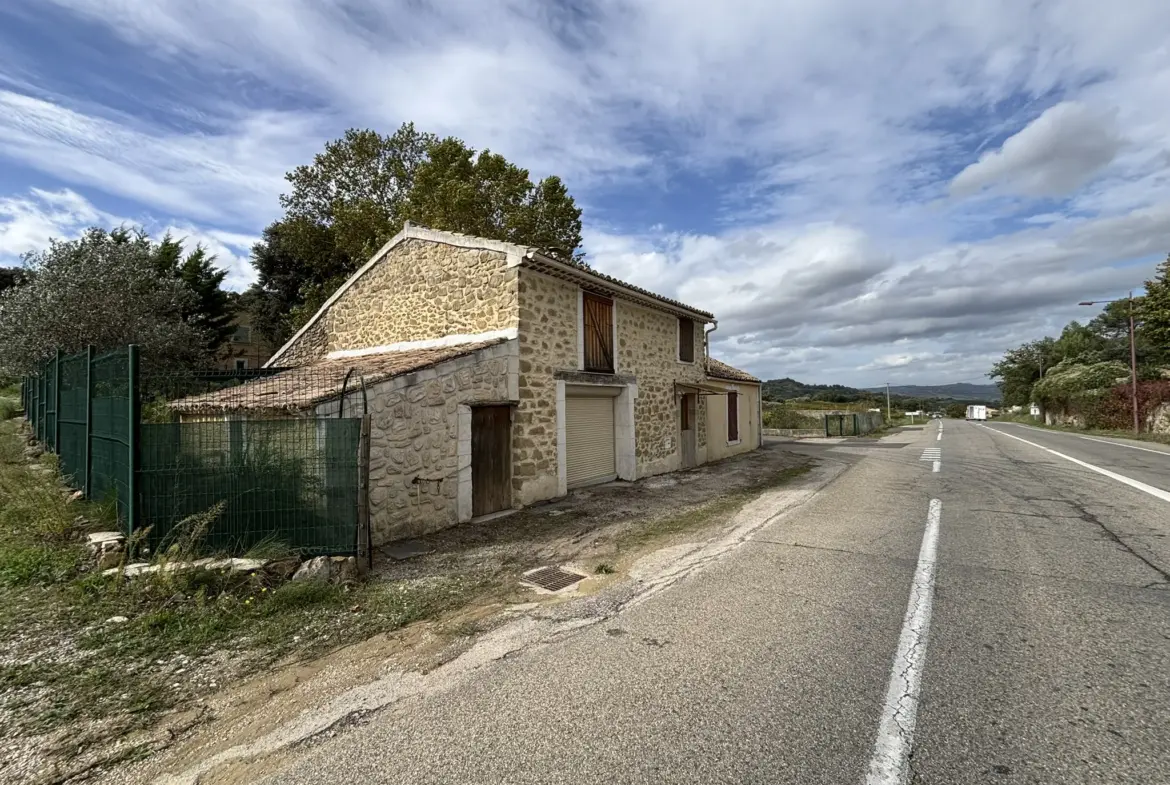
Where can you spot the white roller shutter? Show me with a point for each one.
(589, 449)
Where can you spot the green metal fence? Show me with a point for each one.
(291, 481)
(857, 424)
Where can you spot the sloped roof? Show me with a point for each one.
(532, 258)
(307, 385)
(717, 369)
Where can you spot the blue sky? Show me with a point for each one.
(860, 193)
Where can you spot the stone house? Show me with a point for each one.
(734, 418)
(497, 376)
(245, 348)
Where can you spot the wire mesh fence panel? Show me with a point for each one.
(284, 483)
(72, 420)
(110, 430)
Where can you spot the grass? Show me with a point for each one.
(67, 657)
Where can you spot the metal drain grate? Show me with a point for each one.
(552, 578)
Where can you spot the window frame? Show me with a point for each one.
(606, 335)
(733, 417)
(679, 344)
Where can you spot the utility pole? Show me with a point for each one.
(888, 415)
(1133, 384)
(1137, 425)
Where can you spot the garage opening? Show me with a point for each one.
(590, 454)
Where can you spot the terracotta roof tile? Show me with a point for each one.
(305, 386)
(721, 370)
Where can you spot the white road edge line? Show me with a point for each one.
(1157, 493)
(937, 466)
(890, 764)
(1119, 444)
(939, 439)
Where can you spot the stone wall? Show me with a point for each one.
(420, 290)
(415, 460)
(647, 349)
(310, 346)
(548, 343)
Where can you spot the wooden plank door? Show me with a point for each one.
(491, 459)
(687, 430)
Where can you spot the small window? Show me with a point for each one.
(597, 322)
(732, 417)
(686, 340)
(241, 363)
(242, 335)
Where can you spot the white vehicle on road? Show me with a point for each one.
(976, 412)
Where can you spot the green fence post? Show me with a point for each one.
(133, 431)
(57, 403)
(41, 404)
(87, 464)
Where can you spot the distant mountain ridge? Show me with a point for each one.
(789, 389)
(960, 392)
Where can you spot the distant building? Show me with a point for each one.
(245, 348)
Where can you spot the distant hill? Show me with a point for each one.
(959, 392)
(790, 389)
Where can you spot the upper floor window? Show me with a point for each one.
(242, 335)
(686, 340)
(597, 325)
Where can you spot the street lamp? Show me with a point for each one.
(1137, 427)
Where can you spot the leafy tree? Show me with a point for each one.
(360, 191)
(956, 411)
(105, 289)
(211, 310)
(358, 187)
(12, 276)
(1155, 310)
(298, 265)
(1021, 368)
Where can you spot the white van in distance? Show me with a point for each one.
(976, 412)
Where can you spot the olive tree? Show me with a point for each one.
(103, 289)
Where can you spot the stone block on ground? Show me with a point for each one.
(345, 569)
(281, 570)
(319, 568)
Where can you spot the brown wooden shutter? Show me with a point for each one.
(598, 326)
(732, 417)
(686, 340)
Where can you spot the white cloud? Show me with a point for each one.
(838, 238)
(1053, 155)
(28, 222)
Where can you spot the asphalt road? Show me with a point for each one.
(1046, 657)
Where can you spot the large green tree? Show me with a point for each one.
(211, 309)
(1155, 310)
(104, 289)
(362, 188)
(11, 276)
